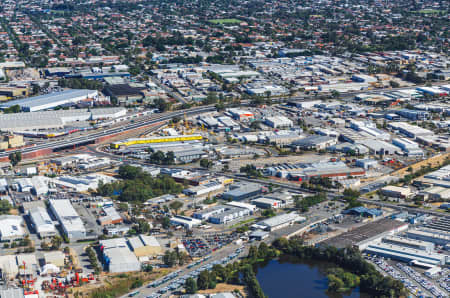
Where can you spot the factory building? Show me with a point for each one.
(8, 266)
(222, 214)
(41, 222)
(429, 235)
(242, 191)
(405, 254)
(241, 115)
(111, 216)
(164, 139)
(279, 221)
(413, 115)
(302, 172)
(411, 131)
(145, 246)
(396, 191)
(55, 258)
(411, 243)
(118, 257)
(313, 143)
(204, 189)
(185, 221)
(379, 147)
(278, 122)
(46, 120)
(410, 148)
(69, 219)
(52, 100)
(11, 228)
(268, 203)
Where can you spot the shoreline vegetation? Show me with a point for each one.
(349, 270)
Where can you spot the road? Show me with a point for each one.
(69, 142)
(217, 255)
(401, 208)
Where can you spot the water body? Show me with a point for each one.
(289, 277)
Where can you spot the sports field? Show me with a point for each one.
(225, 21)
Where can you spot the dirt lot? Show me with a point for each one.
(225, 288)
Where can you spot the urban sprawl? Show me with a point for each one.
(165, 148)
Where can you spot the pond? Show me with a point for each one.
(289, 277)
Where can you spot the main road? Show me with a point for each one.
(92, 137)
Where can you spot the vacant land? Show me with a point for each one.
(225, 21)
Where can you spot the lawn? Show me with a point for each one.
(429, 11)
(225, 21)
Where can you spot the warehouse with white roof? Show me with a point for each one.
(41, 222)
(69, 219)
(52, 100)
(11, 228)
(118, 256)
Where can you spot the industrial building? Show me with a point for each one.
(429, 235)
(8, 266)
(279, 221)
(111, 216)
(379, 147)
(413, 115)
(164, 139)
(305, 171)
(406, 254)
(364, 212)
(411, 131)
(242, 191)
(48, 120)
(364, 235)
(55, 257)
(313, 143)
(41, 222)
(118, 257)
(410, 148)
(204, 189)
(52, 100)
(222, 214)
(396, 191)
(11, 228)
(278, 122)
(268, 203)
(185, 221)
(411, 243)
(145, 246)
(69, 219)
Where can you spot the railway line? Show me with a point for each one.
(55, 145)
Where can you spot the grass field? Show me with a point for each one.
(225, 21)
(429, 11)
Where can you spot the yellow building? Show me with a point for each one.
(11, 92)
(165, 139)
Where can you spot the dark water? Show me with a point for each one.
(291, 278)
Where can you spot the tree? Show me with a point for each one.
(5, 206)
(56, 242)
(176, 205)
(205, 163)
(203, 280)
(15, 158)
(166, 222)
(190, 285)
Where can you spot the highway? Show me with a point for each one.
(66, 143)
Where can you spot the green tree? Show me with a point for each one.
(190, 285)
(203, 280)
(15, 158)
(176, 205)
